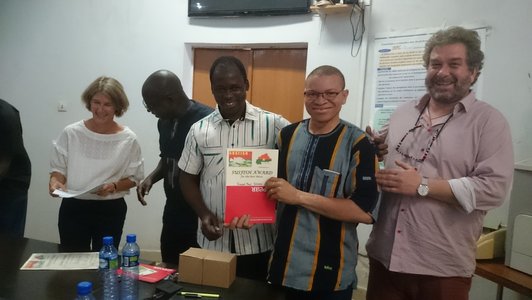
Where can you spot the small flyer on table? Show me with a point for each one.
(62, 261)
(246, 173)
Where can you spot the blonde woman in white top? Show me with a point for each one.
(96, 152)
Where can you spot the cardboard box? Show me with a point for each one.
(191, 266)
(207, 267)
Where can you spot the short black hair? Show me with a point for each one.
(326, 70)
(229, 61)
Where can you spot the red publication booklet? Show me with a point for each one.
(246, 173)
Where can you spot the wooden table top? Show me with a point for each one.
(496, 271)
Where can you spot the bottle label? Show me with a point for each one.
(109, 263)
(103, 263)
(130, 261)
(113, 263)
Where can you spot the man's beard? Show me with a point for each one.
(460, 90)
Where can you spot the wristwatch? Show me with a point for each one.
(423, 188)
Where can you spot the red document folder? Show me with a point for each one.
(151, 274)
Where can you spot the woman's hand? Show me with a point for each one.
(57, 182)
(56, 185)
(107, 189)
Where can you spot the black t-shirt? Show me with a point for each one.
(172, 135)
(18, 174)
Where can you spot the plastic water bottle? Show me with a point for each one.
(85, 291)
(108, 268)
(130, 269)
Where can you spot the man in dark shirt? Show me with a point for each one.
(15, 173)
(164, 97)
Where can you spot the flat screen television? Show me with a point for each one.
(226, 8)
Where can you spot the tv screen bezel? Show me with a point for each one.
(249, 11)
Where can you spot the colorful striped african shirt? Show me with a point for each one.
(313, 252)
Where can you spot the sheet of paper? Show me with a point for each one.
(246, 173)
(62, 261)
(72, 194)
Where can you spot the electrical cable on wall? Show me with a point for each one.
(358, 28)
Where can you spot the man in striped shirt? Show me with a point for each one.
(234, 124)
(326, 186)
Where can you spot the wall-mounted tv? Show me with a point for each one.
(226, 8)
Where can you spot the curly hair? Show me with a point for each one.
(453, 35)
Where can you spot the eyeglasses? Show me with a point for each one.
(313, 95)
(427, 149)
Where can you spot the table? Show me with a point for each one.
(57, 285)
(495, 270)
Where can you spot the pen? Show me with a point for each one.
(198, 295)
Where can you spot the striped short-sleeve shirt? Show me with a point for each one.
(204, 154)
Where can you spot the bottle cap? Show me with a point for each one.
(84, 288)
(131, 238)
(107, 240)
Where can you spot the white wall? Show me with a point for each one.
(51, 50)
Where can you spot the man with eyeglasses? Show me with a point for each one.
(234, 124)
(164, 97)
(326, 186)
(450, 161)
